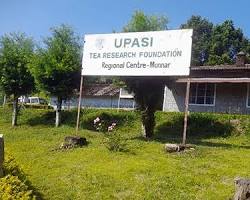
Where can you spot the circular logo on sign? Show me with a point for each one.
(99, 43)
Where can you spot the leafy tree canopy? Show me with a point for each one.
(226, 42)
(142, 22)
(56, 67)
(202, 30)
(16, 50)
(215, 44)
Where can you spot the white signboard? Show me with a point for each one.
(156, 53)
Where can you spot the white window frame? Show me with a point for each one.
(210, 105)
(248, 87)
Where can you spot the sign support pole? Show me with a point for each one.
(79, 106)
(186, 113)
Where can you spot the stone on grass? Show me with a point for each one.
(76, 140)
(242, 189)
(170, 148)
(73, 141)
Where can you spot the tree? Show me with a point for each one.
(148, 91)
(16, 51)
(56, 67)
(213, 45)
(141, 22)
(226, 42)
(202, 30)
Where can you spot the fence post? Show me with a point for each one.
(1, 154)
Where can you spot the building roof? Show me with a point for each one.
(234, 73)
(221, 67)
(101, 90)
(213, 80)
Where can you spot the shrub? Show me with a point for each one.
(38, 106)
(14, 184)
(202, 125)
(11, 187)
(11, 167)
(32, 106)
(108, 117)
(115, 141)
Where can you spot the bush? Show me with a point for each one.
(202, 125)
(32, 106)
(14, 184)
(107, 124)
(107, 116)
(115, 141)
(11, 187)
(38, 106)
(11, 167)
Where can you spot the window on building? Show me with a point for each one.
(202, 94)
(248, 95)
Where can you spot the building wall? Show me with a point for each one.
(95, 102)
(230, 98)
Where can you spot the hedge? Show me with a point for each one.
(14, 184)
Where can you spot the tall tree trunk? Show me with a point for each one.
(15, 111)
(58, 111)
(148, 122)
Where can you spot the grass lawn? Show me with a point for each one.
(144, 171)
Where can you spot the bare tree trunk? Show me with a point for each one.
(148, 123)
(15, 111)
(4, 100)
(143, 130)
(58, 111)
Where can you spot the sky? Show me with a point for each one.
(36, 17)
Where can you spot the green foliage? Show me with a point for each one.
(56, 67)
(115, 141)
(202, 125)
(107, 124)
(14, 184)
(31, 106)
(215, 125)
(12, 188)
(147, 91)
(1, 97)
(141, 22)
(202, 30)
(148, 95)
(226, 42)
(38, 106)
(11, 167)
(108, 117)
(216, 44)
(16, 50)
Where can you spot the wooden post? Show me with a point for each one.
(79, 106)
(186, 113)
(1, 155)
